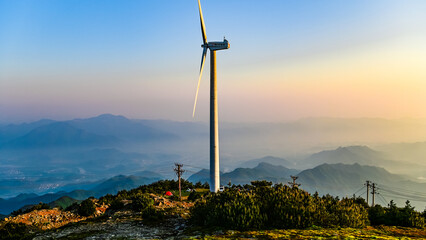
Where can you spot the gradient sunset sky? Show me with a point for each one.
(288, 59)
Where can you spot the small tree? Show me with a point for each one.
(87, 208)
(141, 201)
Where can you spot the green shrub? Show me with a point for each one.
(394, 216)
(194, 196)
(377, 215)
(86, 208)
(141, 201)
(16, 231)
(260, 206)
(72, 207)
(107, 199)
(152, 214)
(230, 209)
(116, 204)
(202, 185)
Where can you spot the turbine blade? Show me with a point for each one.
(203, 27)
(203, 58)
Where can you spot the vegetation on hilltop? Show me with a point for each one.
(395, 216)
(263, 206)
(30, 209)
(260, 207)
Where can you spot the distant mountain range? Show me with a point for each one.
(335, 179)
(268, 159)
(102, 131)
(12, 131)
(111, 186)
(59, 135)
(343, 179)
(122, 128)
(263, 171)
(46, 155)
(407, 152)
(362, 155)
(347, 180)
(52, 156)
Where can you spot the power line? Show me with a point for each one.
(404, 198)
(358, 191)
(382, 199)
(188, 165)
(362, 194)
(406, 191)
(421, 198)
(385, 202)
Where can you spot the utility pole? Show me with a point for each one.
(294, 184)
(368, 188)
(178, 169)
(373, 187)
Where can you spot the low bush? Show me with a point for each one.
(264, 206)
(18, 231)
(194, 196)
(395, 216)
(86, 208)
(141, 201)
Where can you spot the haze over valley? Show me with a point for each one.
(50, 156)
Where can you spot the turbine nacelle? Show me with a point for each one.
(214, 46)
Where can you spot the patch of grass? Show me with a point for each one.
(323, 233)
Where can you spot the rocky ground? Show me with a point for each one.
(46, 218)
(128, 227)
(127, 224)
(108, 224)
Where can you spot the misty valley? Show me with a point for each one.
(45, 160)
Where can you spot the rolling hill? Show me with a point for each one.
(63, 202)
(362, 155)
(414, 152)
(11, 131)
(122, 128)
(347, 179)
(59, 135)
(111, 186)
(263, 171)
(343, 179)
(268, 159)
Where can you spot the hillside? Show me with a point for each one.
(414, 152)
(263, 171)
(342, 179)
(268, 159)
(362, 155)
(12, 131)
(109, 186)
(345, 180)
(151, 215)
(348, 155)
(63, 202)
(59, 135)
(122, 128)
(46, 155)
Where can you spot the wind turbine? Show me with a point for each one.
(214, 127)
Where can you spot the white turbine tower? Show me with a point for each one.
(214, 127)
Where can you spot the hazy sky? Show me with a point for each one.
(288, 59)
